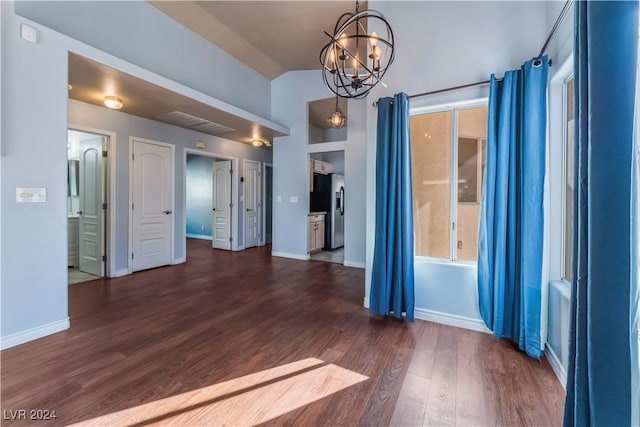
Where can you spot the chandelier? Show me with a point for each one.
(337, 118)
(353, 61)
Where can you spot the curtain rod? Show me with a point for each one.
(552, 33)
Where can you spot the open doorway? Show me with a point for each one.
(327, 206)
(209, 199)
(87, 209)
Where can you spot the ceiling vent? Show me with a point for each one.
(188, 121)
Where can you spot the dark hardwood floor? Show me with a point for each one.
(195, 344)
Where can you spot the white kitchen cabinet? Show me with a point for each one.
(322, 167)
(73, 242)
(316, 232)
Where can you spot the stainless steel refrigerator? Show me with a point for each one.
(328, 196)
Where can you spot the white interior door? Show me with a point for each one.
(90, 219)
(152, 205)
(252, 187)
(221, 228)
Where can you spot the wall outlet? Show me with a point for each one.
(459, 244)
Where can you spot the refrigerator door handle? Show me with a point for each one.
(341, 200)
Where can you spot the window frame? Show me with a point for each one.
(454, 107)
(565, 141)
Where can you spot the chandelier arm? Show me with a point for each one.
(354, 56)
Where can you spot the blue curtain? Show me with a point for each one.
(392, 277)
(599, 374)
(634, 319)
(510, 241)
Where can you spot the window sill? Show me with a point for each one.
(440, 261)
(563, 287)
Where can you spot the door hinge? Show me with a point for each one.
(104, 153)
(104, 258)
(230, 205)
(231, 239)
(453, 226)
(231, 171)
(132, 255)
(104, 206)
(133, 156)
(131, 206)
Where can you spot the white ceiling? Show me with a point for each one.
(272, 37)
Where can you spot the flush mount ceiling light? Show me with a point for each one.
(113, 102)
(256, 143)
(353, 62)
(336, 117)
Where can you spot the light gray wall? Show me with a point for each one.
(141, 34)
(127, 125)
(438, 45)
(33, 278)
(290, 94)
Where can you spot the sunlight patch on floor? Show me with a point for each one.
(249, 400)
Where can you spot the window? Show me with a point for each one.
(446, 216)
(569, 143)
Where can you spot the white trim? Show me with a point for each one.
(305, 257)
(234, 194)
(365, 303)
(557, 367)
(198, 236)
(110, 221)
(449, 106)
(121, 272)
(239, 248)
(172, 226)
(451, 320)
(179, 260)
(355, 264)
(31, 334)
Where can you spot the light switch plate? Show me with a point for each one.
(279, 199)
(201, 145)
(31, 195)
(28, 33)
(293, 199)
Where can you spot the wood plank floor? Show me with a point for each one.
(246, 339)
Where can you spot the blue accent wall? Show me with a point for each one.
(199, 195)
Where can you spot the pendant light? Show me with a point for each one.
(353, 61)
(337, 118)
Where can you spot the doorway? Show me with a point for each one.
(87, 208)
(327, 206)
(209, 199)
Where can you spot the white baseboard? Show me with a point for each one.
(179, 260)
(22, 337)
(451, 320)
(199, 236)
(292, 256)
(557, 367)
(355, 264)
(122, 272)
(239, 248)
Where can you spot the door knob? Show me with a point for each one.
(167, 212)
(213, 209)
(79, 212)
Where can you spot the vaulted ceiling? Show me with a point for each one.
(272, 37)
